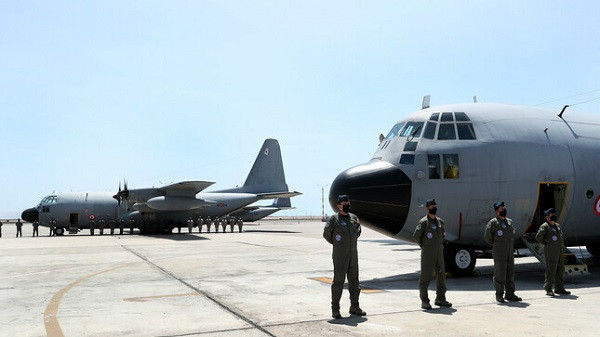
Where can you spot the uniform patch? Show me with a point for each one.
(429, 235)
(554, 238)
(338, 237)
(503, 225)
(500, 232)
(433, 226)
(343, 223)
(553, 229)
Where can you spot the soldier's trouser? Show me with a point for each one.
(19, 232)
(199, 228)
(35, 232)
(345, 266)
(189, 229)
(112, 231)
(504, 273)
(120, 231)
(432, 265)
(91, 231)
(555, 271)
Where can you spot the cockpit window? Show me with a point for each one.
(429, 130)
(465, 131)
(395, 131)
(412, 129)
(447, 117)
(461, 117)
(51, 199)
(446, 131)
(433, 164)
(434, 116)
(451, 167)
(407, 159)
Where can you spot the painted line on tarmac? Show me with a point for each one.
(51, 324)
(214, 300)
(147, 298)
(329, 280)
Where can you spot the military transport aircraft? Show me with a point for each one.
(469, 156)
(161, 209)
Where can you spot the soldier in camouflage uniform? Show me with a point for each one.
(551, 236)
(342, 231)
(499, 233)
(430, 234)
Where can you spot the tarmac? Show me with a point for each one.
(270, 280)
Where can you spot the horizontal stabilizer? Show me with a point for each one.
(276, 195)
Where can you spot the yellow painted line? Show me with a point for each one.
(329, 280)
(51, 324)
(147, 298)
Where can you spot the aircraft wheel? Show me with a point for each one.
(594, 250)
(460, 260)
(59, 231)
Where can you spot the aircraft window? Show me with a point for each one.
(429, 130)
(407, 159)
(412, 129)
(446, 132)
(451, 166)
(465, 131)
(410, 146)
(461, 117)
(433, 164)
(434, 116)
(395, 131)
(447, 117)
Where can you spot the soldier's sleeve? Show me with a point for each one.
(358, 226)
(418, 234)
(328, 230)
(541, 233)
(489, 239)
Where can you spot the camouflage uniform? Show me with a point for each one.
(343, 232)
(500, 234)
(92, 226)
(200, 224)
(551, 237)
(19, 228)
(430, 234)
(35, 225)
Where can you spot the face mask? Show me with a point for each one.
(432, 210)
(346, 208)
(553, 218)
(502, 213)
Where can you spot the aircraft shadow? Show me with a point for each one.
(270, 231)
(181, 237)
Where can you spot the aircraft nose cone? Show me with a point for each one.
(30, 215)
(379, 194)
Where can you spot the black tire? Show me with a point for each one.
(594, 250)
(460, 260)
(59, 231)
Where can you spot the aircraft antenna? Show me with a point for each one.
(563, 110)
(426, 101)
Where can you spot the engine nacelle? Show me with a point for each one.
(177, 203)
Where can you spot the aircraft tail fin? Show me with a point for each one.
(282, 203)
(267, 173)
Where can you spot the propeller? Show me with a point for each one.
(122, 194)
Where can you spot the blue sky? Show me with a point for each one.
(92, 92)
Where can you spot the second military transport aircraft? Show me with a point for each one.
(469, 156)
(161, 209)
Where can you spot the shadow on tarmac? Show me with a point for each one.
(349, 321)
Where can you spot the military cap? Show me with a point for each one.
(498, 205)
(430, 202)
(342, 197)
(549, 211)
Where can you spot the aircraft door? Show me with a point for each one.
(550, 195)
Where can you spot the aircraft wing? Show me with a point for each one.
(276, 195)
(185, 188)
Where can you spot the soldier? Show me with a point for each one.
(190, 224)
(92, 226)
(240, 223)
(121, 226)
(52, 227)
(131, 226)
(178, 227)
(430, 234)
(35, 225)
(217, 224)
(208, 223)
(551, 236)
(112, 225)
(342, 231)
(231, 224)
(200, 224)
(224, 224)
(19, 228)
(101, 226)
(0, 229)
(499, 233)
